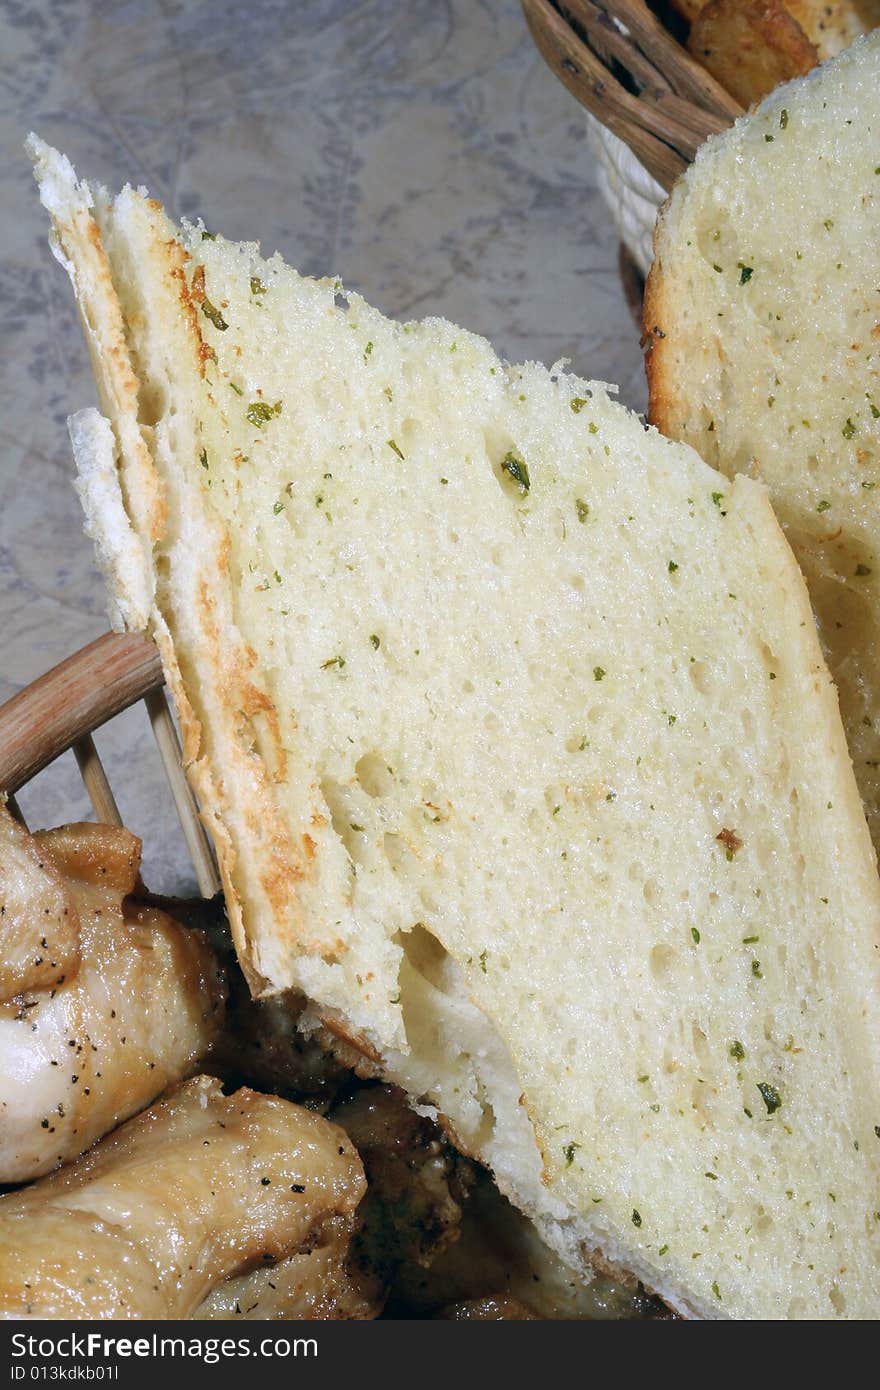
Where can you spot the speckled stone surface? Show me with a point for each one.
(419, 149)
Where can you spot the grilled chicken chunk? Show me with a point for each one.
(39, 926)
(136, 1003)
(200, 1188)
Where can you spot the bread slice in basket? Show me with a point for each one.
(763, 315)
(510, 723)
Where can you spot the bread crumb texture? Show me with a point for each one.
(766, 285)
(511, 723)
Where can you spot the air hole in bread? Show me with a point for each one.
(747, 719)
(661, 960)
(408, 436)
(425, 954)
(374, 775)
(152, 403)
(700, 1043)
(344, 817)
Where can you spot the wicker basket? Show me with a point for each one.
(62, 709)
(649, 105)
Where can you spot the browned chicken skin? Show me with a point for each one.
(133, 1003)
(199, 1188)
(39, 927)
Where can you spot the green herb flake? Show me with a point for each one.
(783, 118)
(337, 661)
(259, 413)
(598, 673)
(518, 471)
(672, 567)
(237, 389)
(756, 970)
(214, 314)
(713, 1177)
(769, 138)
(828, 223)
(376, 643)
(696, 935)
(770, 1095)
(849, 429)
(875, 410)
(568, 1150)
(745, 273)
(278, 508)
(209, 236)
(717, 498)
(483, 966)
(715, 1288)
(203, 458)
(862, 570)
(368, 351)
(582, 509)
(823, 506)
(664, 1250)
(593, 427)
(636, 1218)
(392, 444)
(577, 404)
(257, 286)
(750, 940)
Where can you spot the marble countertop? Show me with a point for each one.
(419, 149)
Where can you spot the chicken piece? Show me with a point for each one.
(499, 1262)
(39, 927)
(200, 1188)
(495, 1308)
(139, 1012)
(444, 1242)
(418, 1184)
(262, 1046)
(315, 1284)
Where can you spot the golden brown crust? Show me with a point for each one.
(107, 855)
(750, 46)
(79, 238)
(655, 342)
